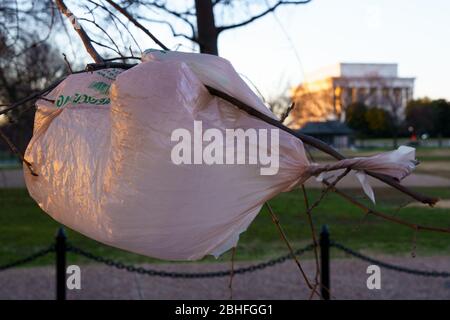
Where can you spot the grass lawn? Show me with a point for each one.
(24, 228)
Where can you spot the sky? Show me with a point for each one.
(413, 33)
(277, 51)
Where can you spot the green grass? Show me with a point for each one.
(24, 228)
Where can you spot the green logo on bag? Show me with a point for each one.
(100, 86)
(80, 98)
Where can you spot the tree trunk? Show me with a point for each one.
(206, 29)
(396, 129)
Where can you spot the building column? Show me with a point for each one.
(408, 92)
(391, 97)
(379, 97)
(354, 94)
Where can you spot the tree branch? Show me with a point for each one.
(172, 29)
(262, 14)
(114, 17)
(17, 152)
(276, 221)
(383, 215)
(318, 144)
(31, 97)
(83, 35)
(136, 23)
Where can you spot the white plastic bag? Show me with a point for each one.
(103, 155)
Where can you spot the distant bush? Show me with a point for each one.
(369, 122)
(429, 116)
(422, 116)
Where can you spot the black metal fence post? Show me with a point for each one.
(60, 249)
(325, 263)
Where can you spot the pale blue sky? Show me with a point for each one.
(413, 33)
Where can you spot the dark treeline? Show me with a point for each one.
(422, 116)
(23, 73)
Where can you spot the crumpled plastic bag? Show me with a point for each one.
(102, 151)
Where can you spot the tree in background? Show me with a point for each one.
(380, 123)
(27, 65)
(431, 117)
(356, 119)
(420, 116)
(442, 117)
(369, 122)
(207, 19)
(20, 76)
(199, 21)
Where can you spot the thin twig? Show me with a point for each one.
(67, 63)
(230, 284)
(367, 210)
(287, 112)
(316, 245)
(122, 58)
(87, 42)
(313, 234)
(136, 23)
(328, 188)
(283, 236)
(31, 97)
(17, 152)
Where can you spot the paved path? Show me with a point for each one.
(14, 179)
(11, 178)
(348, 281)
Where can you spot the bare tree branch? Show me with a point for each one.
(172, 29)
(367, 210)
(17, 152)
(262, 14)
(318, 144)
(117, 50)
(83, 35)
(113, 18)
(276, 221)
(136, 23)
(34, 96)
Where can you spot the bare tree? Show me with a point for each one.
(26, 24)
(199, 21)
(207, 19)
(23, 73)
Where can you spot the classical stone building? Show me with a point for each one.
(328, 92)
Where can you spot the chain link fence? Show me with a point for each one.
(385, 265)
(30, 258)
(187, 275)
(214, 274)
